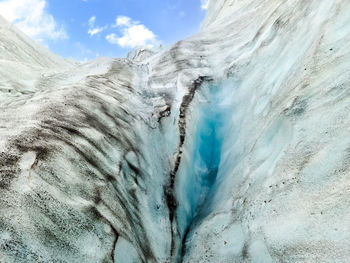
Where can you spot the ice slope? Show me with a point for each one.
(283, 180)
(23, 61)
(230, 146)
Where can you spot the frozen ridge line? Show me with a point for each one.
(230, 146)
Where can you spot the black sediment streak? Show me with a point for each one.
(164, 113)
(169, 189)
(183, 246)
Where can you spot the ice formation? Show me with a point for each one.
(230, 146)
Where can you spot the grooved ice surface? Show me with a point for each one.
(230, 146)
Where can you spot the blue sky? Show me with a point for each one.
(84, 29)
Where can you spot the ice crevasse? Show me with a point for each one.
(229, 146)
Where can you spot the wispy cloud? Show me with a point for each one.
(123, 21)
(32, 18)
(131, 33)
(204, 4)
(94, 30)
(112, 38)
(92, 21)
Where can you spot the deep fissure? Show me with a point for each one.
(198, 176)
(171, 200)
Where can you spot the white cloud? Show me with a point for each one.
(31, 17)
(204, 4)
(137, 35)
(92, 21)
(92, 29)
(133, 33)
(123, 21)
(96, 30)
(112, 38)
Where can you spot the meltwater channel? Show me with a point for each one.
(197, 176)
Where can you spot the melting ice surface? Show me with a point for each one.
(198, 175)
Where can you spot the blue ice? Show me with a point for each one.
(198, 175)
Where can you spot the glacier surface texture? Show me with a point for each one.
(230, 146)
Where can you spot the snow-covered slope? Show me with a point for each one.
(23, 62)
(17, 47)
(230, 146)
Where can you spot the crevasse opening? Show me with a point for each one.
(201, 160)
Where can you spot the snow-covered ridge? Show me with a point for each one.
(230, 146)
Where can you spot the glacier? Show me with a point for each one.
(229, 146)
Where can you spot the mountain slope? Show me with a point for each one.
(17, 47)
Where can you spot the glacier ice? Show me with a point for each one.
(229, 146)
